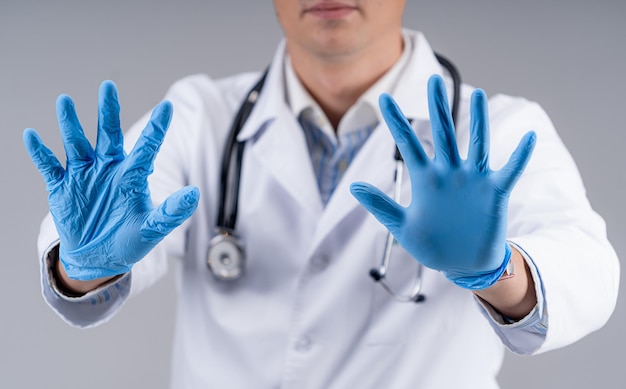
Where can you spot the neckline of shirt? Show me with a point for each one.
(364, 113)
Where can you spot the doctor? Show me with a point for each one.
(497, 213)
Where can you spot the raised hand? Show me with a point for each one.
(100, 201)
(456, 222)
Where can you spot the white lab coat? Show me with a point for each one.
(306, 314)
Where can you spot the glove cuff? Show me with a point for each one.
(79, 268)
(482, 280)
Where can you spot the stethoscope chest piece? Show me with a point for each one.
(226, 257)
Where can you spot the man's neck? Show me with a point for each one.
(337, 83)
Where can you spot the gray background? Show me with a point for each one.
(567, 55)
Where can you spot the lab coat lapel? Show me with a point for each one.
(281, 149)
(275, 140)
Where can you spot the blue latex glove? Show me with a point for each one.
(456, 222)
(100, 201)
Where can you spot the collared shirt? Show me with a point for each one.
(332, 151)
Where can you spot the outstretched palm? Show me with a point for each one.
(100, 201)
(456, 222)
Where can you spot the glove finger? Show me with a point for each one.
(510, 173)
(385, 210)
(110, 141)
(142, 156)
(77, 147)
(402, 132)
(44, 159)
(170, 214)
(478, 152)
(441, 122)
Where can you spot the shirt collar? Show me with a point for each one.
(410, 93)
(363, 113)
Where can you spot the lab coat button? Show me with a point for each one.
(319, 263)
(343, 165)
(304, 344)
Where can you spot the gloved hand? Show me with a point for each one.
(456, 222)
(100, 201)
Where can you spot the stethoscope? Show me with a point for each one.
(226, 257)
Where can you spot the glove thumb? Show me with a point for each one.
(170, 214)
(385, 210)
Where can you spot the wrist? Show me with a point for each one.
(515, 297)
(509, 271)
(71, 287)
(486, 279)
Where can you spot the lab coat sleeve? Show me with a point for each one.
(552, 222)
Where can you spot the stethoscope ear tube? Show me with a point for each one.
(233, 147)
(379, 274)
(226, 255)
